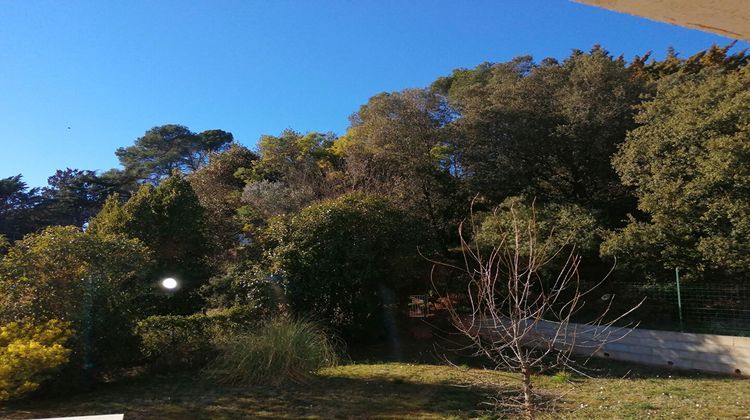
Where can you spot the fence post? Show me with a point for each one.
(679, 298)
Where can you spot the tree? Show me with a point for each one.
(265, 199)
(546, 130)
(688, 162)
(170, 221)
(557, 226)
(74, 196)
(293, 171)
(19, 208)
(98, 284)
(165, 148)
(715, 56)
(339, 258)
(520, 315)
(397, 145)
(219, 190)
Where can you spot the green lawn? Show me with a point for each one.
(400, 390)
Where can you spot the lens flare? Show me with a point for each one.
(169, 283)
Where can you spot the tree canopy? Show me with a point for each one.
(218, 186)
(337, 258)
(546, 130)
(688, 162)
(163, 149)
(398, 145)
(169, 219)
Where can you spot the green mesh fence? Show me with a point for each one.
(701, 307)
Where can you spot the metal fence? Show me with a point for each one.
(689, 306)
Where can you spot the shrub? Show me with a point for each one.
(191, 340)
(280, 351)
(29, 354)
(337, 258)
(245, 287)
(238, 319)
(97, 283)
(556, 225)
(175, 340)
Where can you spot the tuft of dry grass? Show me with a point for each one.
(282, 350)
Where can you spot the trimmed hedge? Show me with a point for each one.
(191, 340)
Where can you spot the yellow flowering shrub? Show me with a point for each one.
(28, 355)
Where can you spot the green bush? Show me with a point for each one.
(97, 283)
(555, 225)
(242, 286)
(339, 258)
(28, 355)
(191, 340)
(176, 340)
(282, 350)
(238, 319)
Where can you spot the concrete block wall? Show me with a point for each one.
(704, 352)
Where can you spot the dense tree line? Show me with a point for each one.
(642, 160)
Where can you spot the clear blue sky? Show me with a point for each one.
(111, 70)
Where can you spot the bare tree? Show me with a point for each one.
(521, 297)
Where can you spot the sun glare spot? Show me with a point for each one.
(169, 283)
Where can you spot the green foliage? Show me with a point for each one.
(265, 199)
(175, 340)
(240, 286)
(293, 171)
(562, 377)
(219, 191)
(546, 130)
(398, 146)
(18, 208)
(170, 147)
(282, 350)
(688, 162)
(555, 226)
(715, 57)
(169, 341)
(73, 196)
(336, 258)
(170, 221)
(29, 354)
(96, 283)
(293, 155)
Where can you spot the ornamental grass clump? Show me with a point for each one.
(282, 350)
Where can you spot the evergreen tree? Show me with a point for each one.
(170, 221)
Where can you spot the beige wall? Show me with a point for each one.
(704, 352)
(730, 18)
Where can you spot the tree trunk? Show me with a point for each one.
(528, 397)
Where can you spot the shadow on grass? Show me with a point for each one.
(447, 345)
(182, 396)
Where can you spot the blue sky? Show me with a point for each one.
(110, 70)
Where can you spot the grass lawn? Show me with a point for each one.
(400, 390)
